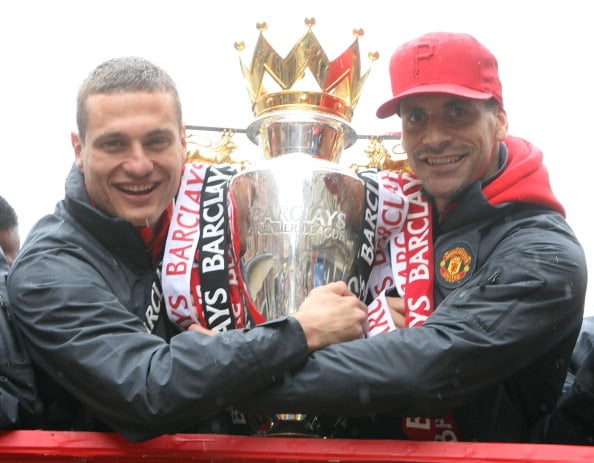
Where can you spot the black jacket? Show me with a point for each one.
(20, 405)
(572, 419)
(495, 351)
(88, 300)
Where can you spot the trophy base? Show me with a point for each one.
(275, 427)
(292, 429)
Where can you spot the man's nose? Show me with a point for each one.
(138, 162)
(435, 135)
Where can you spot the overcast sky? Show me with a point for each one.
(47, 47)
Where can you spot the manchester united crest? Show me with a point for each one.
(455, 265)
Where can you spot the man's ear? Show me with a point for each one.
(184, 142)
(78, 149)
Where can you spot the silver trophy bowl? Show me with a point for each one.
(301, 230)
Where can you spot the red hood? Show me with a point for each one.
(525, 178)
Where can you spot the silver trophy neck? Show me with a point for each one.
(317, 134)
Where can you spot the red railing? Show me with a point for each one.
(92, 447)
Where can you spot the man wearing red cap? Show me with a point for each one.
(487, 276)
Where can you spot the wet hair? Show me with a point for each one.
(125, 74)
(8, 216)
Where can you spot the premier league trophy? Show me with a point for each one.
(303, 219)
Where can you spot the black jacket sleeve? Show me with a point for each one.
(74, 310)
(508, 324)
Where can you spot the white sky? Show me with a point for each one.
(48, 47)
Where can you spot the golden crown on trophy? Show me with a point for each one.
(338, 82)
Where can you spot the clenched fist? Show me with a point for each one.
(330, 314)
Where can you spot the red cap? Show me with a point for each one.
(442, 62)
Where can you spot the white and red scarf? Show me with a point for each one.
(404, 260)
(201, 275)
